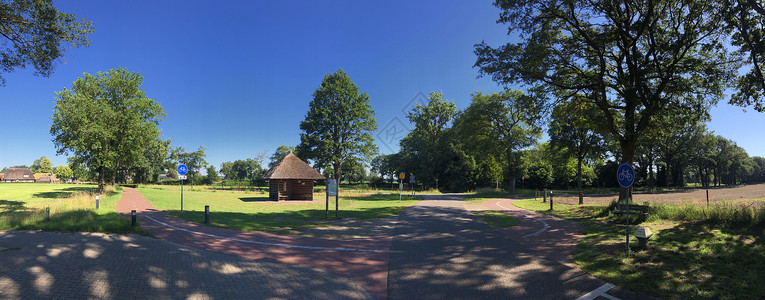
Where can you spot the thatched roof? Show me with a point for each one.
(18, 174)
(292, 167)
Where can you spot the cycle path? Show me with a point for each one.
(441, 251)
(362, 260)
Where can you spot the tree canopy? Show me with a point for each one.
(337, 128)
(106, 121)
(37, 34)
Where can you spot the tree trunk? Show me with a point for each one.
(101, 179)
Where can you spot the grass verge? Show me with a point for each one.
(72, 208)
(495, 218)
(255, 212)
(683, 260)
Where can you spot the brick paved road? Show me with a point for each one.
(367, 269)
(48, 265)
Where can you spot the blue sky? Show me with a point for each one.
(237, 77)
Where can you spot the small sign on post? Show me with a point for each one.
(411, 182)
(182, 171)
(332, 190)
(625, 175)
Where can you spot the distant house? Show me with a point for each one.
(164, 177)
(1, 176)
(38, 175)
(50, 178)
(18, 175)
(291, 179)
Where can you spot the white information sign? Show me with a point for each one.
(182, 177)
(332, 187)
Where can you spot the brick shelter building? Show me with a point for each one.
(291, 179)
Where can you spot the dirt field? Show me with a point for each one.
(746, 195)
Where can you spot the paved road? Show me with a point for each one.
(440, 251)
(49, 265)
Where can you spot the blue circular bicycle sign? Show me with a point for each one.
(625, 174)
(182, 169)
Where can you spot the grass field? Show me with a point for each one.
(254, 212)
(683, 260)
(72, 208)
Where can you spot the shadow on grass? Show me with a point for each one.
(280, 222)
(256, 199)
(10, 206)
(61, 193)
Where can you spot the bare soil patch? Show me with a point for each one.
(744, 195)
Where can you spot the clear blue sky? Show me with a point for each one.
(237, 77)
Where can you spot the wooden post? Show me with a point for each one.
(707, 198)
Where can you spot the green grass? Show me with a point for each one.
(255, 212)
(496, 218)
(72, 208)
(482, 195)
(683, 260)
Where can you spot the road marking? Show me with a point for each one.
(599, 292)
(538, 220)
(265, 243)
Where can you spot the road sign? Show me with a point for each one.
(332, 187)
(401, 175)
(182, 169)
(182, 177)
(411, 178)
(625, 174)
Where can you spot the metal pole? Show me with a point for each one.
(337, 200)
(181, 195)
(132, 217)
(551, 200)
(629, 197)
(207, 214)
(98, 197)
(707, 198)
(326, 212)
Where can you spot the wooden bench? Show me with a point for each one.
(634, 209)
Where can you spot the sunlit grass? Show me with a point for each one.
(71, 207)
(255, 212)
(690, 255)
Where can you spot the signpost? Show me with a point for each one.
(625, 175)
(182, 171)
(332, 190)
(400, 184)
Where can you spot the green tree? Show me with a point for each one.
(423, 146)
(106, 121)
(64, 173)
(195, 161)
(227, 169)
(37, 34)
(746, 19)
(636, 61)
(212, 175)
(499, 124)
(42, 165)
(280, 153)
(338, 125)
(156, 161)
(571, 129)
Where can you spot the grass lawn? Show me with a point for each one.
(254, 212)
(496, 218)
(684, 259)
(72, 208)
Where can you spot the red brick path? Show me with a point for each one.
(367, 268)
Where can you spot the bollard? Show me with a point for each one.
(207, 214)
(551, 200)
(707, 198)
(47, 213)
(132, 217)
(97, 201)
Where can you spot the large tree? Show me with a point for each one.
(423, 146)
(33, 32)
(635, 60)
(64, 173)
(571, 131)
(500, 124)
(42, 165)
(106, 121)
(337, 128)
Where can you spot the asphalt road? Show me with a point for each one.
(440, 251)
